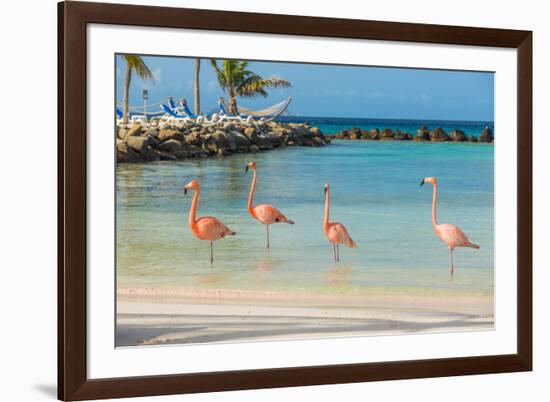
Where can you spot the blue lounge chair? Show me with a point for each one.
(171, 103)
(173, 113)
(187, 111)
(225, 115)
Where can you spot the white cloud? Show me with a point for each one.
(157, 73)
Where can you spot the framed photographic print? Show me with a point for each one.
(252, 200)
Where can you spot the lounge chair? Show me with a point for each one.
(172, 114)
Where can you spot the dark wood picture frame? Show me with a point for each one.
(73, 17)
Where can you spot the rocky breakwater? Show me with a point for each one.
(422, 134)
(171, 142)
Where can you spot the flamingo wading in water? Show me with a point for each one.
(336, 232)
(263, 213)
(447, 233)
(207, 227)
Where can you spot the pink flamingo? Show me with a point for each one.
(336, 232)
(264, 213)
(447, 233)
(207, 227)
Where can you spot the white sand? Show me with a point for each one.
(149, 316)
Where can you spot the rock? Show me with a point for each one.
(220, 138)
(295, 138)
(342, 135)
(439, 135)
(194, 139)
(250, 133)
(355, 133)
(126, 154)
(121, 132)
(152, 132)
(134, 131)
(138, 144)
(472, 138)
(486, 135)
(386, 134)
(172, 146)
(166, 134)
(458, 136)
(212, 143)
(318, 142)
(315, 131)
(222, 153)
(150, 154)
(172, 141)
(374, 134)
(263, 142)
(301, 130)
(422, 134)
(196, 152)
(401, 136)
(274, 138)
(165, 156)
(242, 142)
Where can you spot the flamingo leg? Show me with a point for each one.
(334, 251)
(211, 252)
(452, 262)
(338, 252)
(267, 235)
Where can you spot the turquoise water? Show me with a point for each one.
(375, 193)
(332, 125)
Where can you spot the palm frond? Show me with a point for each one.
(256, 85)
(235, 79)
(137, 64)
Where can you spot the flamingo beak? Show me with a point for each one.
(325, 190)
(246, 169)
(422, 182)
(185, 190)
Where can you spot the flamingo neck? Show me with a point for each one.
(193, 210)
(251, 195)
(434, 205)
(327, 209)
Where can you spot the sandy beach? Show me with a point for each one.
(157, 316)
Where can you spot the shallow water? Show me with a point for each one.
(375, 194)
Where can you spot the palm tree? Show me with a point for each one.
(236, 80)
(133, 63)
(197, 103)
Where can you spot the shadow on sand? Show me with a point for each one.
(183, 329)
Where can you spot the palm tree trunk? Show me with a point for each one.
(197, 102)
(127, 80)
(233, 102)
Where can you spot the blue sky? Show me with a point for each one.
(330, 90)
